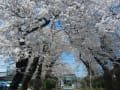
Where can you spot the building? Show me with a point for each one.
(67, 81)
(3, 68)
(6, 71)
(7, 66)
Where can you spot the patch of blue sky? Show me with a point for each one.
(2, 23)
(58, 25)
(115, 8)
(81, 71)
(69, 58)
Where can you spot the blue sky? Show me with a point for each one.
(115, 8)
(57, 25)
(68, 58)
(1, 23)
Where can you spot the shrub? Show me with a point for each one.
(49, 84)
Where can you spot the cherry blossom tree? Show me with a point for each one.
(31, 36)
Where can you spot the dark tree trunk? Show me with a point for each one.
(116, 77)
(108, 81)
(16, 80)
(37, 85)
(21, 66)
(30, 73)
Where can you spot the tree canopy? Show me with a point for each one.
(36, 32)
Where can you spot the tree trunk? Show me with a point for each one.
(108, 81)
(37, 85)
(21, 66)
(30, 73)
(116, 77)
